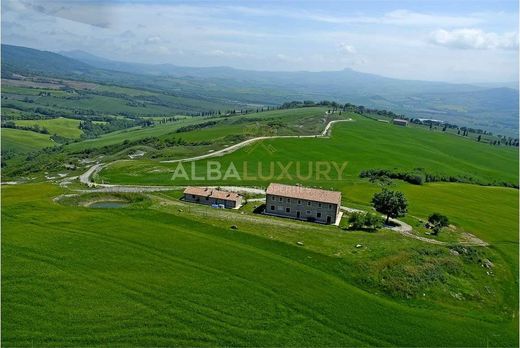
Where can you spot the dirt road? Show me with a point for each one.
(233, 148)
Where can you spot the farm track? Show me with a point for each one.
(233, 148)
(86, 178)
(402, 227)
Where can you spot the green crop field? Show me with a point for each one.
(64, 127)
(187, 280)
(21, 141)
(363, 143)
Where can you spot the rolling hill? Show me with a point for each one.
(493, 108)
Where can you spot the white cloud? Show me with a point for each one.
(410, 18)
(222, 53)
(399, 17)
(153, 40)
(346, 48)
(279, 37)
(288, 59)
(474, 39)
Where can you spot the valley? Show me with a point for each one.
(100, 248)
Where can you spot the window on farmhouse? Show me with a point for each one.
(309, 203)
(299, 201)
(272, 207)
(287, 210)
(280, 199)
(319, 205)
(318, 215)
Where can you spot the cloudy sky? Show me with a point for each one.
(457, 41)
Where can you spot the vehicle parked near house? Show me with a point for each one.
(213, 197)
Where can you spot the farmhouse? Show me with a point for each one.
(303, 203)
(400, 122)
(213, 197)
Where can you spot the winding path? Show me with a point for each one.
(86, 178)
(233, 148)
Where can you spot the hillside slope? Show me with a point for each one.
(466, 105)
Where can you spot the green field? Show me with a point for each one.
(305, 121)
(192, 281)
(21, 141)
(107, 100)
(64, 127)
(162, 272)
(129, 266)
(363, 143)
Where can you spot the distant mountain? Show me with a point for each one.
(23, 59)
(507, 84)
(331, 81)
(480, 106)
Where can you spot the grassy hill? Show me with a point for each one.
(188, 280)
(61, 126)
(21, 141)
(363, 143)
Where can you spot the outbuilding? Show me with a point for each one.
(213, 197)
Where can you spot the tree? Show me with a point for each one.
(390, 203)
(438, 221)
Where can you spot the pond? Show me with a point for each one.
(108, 204)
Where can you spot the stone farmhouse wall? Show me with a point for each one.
(301, 209)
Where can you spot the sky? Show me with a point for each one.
(456, 41)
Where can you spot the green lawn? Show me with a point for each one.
(64, 127)
(73, 276)
(21, 141)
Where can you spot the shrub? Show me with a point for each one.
(438, 221)
(365, 221)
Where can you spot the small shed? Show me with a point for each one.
(400, 122)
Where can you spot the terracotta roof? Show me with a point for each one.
(299, 192)
(212, 193)
(199, 191)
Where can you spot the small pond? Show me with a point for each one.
(108, 204)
